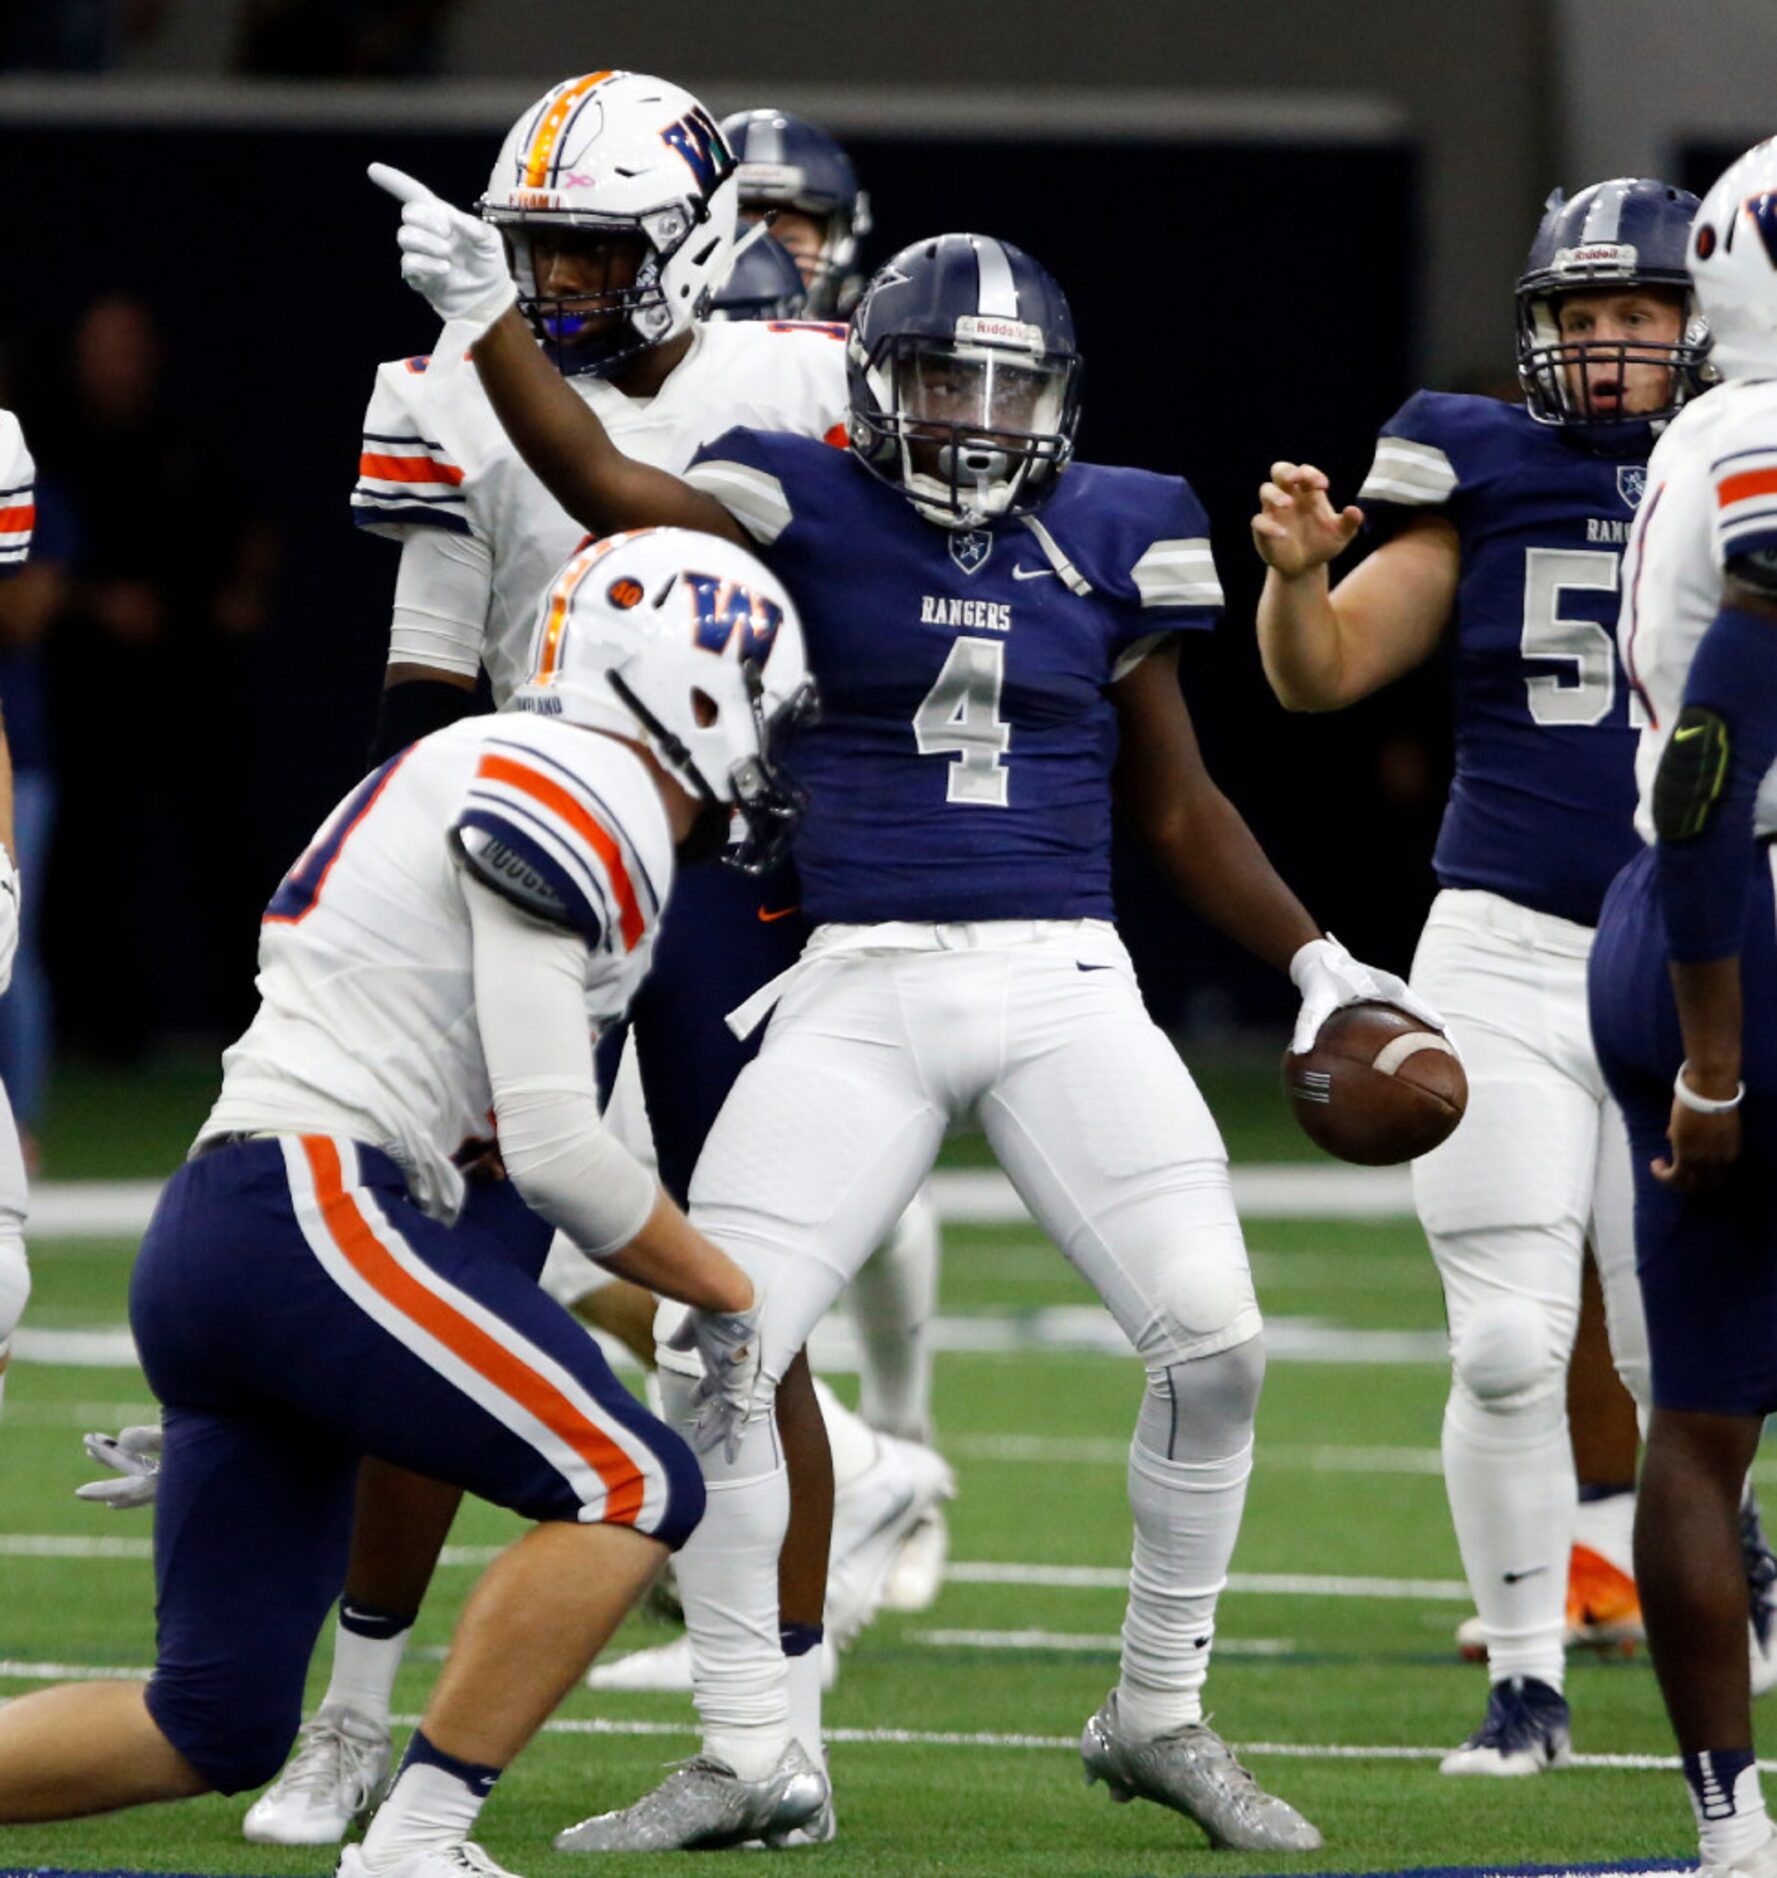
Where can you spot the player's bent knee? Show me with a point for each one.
(1213, 1398)
(233, 1731)
(1506, 1353)
(1211, 1303)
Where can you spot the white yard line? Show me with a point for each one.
(119, 1209)
(915, 1737)
(1097, 1643)
(959, 1571)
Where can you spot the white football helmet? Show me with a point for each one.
(626, 155)
(1733, 264)
(688, 645)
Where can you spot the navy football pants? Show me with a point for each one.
(1708, 1263)
(294, 1312)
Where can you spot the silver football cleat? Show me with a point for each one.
(703, 1806)
(1195, 1773)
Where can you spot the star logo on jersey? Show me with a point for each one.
(970, 548)
(1632, 483)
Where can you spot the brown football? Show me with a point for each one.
(1378, 1087)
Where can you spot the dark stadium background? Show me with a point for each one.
(270, 263)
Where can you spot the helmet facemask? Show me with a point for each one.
(1557, 372)
(969, 430)
(635, 317)
(754, 788)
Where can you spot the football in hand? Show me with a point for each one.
(1377, 1087)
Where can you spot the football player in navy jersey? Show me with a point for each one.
(995, 628)
(1505, 524)
(797, 178)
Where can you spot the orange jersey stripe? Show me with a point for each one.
(15, 521)
(1732, 489)
(542, 150)
(586, 825)
(408, 469)
(379, 1268)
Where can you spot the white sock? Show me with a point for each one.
(1606, 1525)
(1187, 1517)
(1730, 1813)
(803, 1679)
(727, 1574)
(1508, 1469)
(433, 1805)
(848, 1435)
(364, 1669)
(893, 1301)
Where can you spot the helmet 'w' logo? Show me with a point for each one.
(1761, 211)
(696, 138)
(722, 607)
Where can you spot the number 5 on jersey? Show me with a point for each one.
(960, 718)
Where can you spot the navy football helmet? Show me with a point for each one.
(1628, 232)
(786, 163)
(963, 380)
(763, 284)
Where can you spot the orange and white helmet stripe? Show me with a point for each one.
(547, 136)
(555, 617)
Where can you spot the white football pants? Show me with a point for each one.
(1539, 1165)
(883, 1036)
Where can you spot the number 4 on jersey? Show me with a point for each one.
(960, 717)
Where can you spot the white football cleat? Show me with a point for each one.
(917, 1575)
(1759, 1863)
(873, 1517)
(704, 1806)
(341, 1759)
(668, 1666)
(464, 1860)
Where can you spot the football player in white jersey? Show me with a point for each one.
(308, 1291)
(1684, 1002)
(17, 515)
(616, 196)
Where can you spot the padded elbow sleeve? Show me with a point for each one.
(1693, 774)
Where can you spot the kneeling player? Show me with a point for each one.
(1684, 1003)
(304, 1297)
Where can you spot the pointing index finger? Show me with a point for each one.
(398, 183)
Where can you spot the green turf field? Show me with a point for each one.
(1345, 1487)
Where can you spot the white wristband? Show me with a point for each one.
(1702, 1104)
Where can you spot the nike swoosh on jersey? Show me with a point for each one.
(783, 912)
(1513, 1578)
(1032, 573)
(1081, 965)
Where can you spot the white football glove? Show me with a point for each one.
(9, 916)
(134, 1455)
(1329, 978)
(731, 1350)
(457, 261)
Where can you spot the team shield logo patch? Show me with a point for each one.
(969, 549)
(1632, 483)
